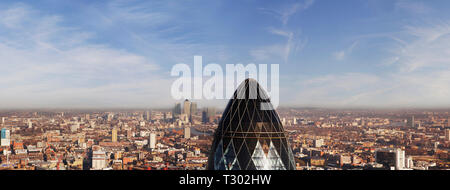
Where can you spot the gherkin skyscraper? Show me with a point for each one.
(249, 137)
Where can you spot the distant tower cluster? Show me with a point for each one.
(185, 113)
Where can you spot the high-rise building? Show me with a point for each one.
(114, 135)
(98, 159)
(208, 115)
(391, 158)
(5, 139)
(187, 107)
(248, 137)
(211, 114)
(318, 143)
(436, 145)
(74, 127)
(205, 118)
(187, 132)
(409, 162)
(152, 141)
(345, 159)
(167, 115)
(129, 134)
(411, 122)
(400, 159)
(110, 116)
(176, 110)
(30, 124)
(148, 115)
(3, 120)
(447, 134)
(193, 108)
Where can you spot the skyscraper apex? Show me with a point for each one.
(250, 138)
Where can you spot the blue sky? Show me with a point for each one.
(349, 53)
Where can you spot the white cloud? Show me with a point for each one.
(284, 33)
(13, 17)
(340, 55)
(45, 64)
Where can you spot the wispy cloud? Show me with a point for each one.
(289, 43)
(293, 43)
(427, 47)
(269, 52)
(137, 12)
(13, 17)
(341, 55)
(284, 14)
(412, 6)
(417, 75)
(293, 40)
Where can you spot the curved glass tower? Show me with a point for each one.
(248, 137)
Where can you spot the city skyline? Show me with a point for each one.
(300, 139)
(118, 54)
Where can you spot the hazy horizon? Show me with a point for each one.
(218, 108)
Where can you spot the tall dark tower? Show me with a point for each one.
(248, 137)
